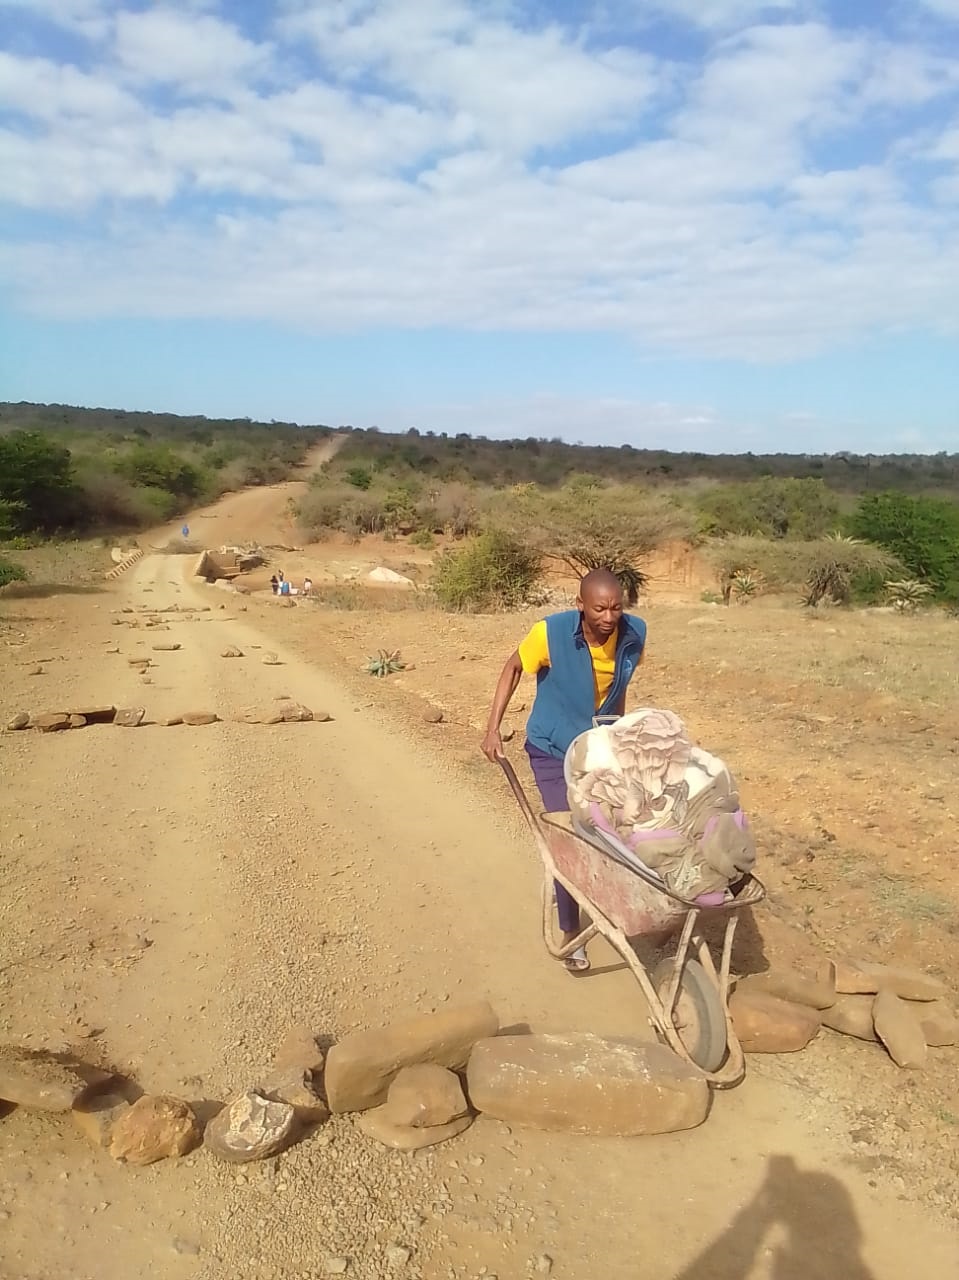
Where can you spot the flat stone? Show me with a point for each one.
(868, 978)
(95, 714)
(138, 662)
(852, 1016)
(96, 1117)
(259, 715)
(376, 1124)
(766, 1024)
(169, 721)
(294, 1086)
(299, 1048)
(129, 717)
(200, 717)
(170, 646)
(939, 1023)
(294, 711)
(361, 1067)
(425, 1095)
(250, 1127)
(232, 652)
(155, 1127)
(336, 1266)
(581, 1083)
(20, 721)
(77, 722)
(898, 1027)
(38, 1080)
(50, 721)
(815, 991)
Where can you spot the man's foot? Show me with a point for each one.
(578, 962)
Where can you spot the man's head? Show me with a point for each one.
(601, 602)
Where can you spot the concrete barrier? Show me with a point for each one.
(122, 567)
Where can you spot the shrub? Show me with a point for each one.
(36, 483)
(453, 510)
(423, 538)
(908, 594)
(494, 571)
(822, 568)
(10, 571)
(922, 533)
(770, 508)
(359, 477)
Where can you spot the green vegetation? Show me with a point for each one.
(492, 571)
(10, 571)
(820, 568)
(770, 508)
(922, 533)
(94, 470)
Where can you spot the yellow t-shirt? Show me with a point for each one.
(534, 655)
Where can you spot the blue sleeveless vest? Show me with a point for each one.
(565, 691)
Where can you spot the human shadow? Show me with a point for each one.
(804, 1223)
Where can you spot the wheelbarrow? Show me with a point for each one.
(688, 997)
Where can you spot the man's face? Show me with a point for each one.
(602, 608)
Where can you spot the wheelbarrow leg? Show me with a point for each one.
(561, 950)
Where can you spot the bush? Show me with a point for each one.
(36, 483)
(359, 477)
(822, 568)
(495, 571)
(453, 510)
(423, 538)
(10, 571)
(337, 508)
(156, 467)
(922, 533)
(770, 508)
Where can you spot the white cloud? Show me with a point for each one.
(726, 13)
(382, 163)
(944, 8)
(86, 17)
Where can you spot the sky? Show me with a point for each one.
(717, 225)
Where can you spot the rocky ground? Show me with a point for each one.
(176, 897)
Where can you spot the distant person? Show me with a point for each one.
(274, 584)
(307, 586)
(583, 661)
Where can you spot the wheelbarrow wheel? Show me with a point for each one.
(698, 1014)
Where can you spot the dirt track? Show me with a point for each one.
(191, 892)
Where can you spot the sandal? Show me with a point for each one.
(578, 962)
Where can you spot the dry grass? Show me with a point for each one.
(64, 564)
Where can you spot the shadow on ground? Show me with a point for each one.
(798, 1226)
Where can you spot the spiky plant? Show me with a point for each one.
(386, 663)
(907, 594)
(746, 584)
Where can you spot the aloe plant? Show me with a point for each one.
(385, 663)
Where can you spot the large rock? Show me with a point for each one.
(50, 721)
(766, 1024)
(939, 1024)
(425, 1095)
(154, 1128)
(581, 1083)
(20, 721)
(129, 717)
(97, 1117)
(39, 1081)
(250, 1127)
(404, 1137)
(361, 1067)
(816, 992)
(294, 1086)
(867, 978)
(898, 1027)
(293, 711)
(200, 717)
(852, 1016)
(94, 714)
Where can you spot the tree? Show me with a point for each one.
(156, 467)
(36, 483)
(770, 508)
(923, 534)
(822, 568)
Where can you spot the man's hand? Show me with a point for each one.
(493, 745)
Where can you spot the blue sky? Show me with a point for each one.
(700, 224)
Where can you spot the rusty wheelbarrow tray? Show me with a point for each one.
(688, 997)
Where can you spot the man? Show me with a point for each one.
(583, 661)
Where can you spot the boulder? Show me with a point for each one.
(361, 1067)
(898, 1027)
(939, 1023)
(299, 1048)
(425, 1095)
(816, 992)
(294, 1086)
(20, 721)
(50, 721)
(377, 1124)
(250, 1127)
(766, 1024)
(129, 717)
(867, 978)
(851, 1015)
(200, 717)
(294, 711)
(382, 574)
(38, 1080)
(582, 1083)
(96, 1117)
(232, 652)
(94, 715)
(154, 1128)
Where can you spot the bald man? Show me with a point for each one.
(583, 661)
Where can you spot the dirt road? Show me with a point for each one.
(186, 894)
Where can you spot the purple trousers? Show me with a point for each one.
(549, 779)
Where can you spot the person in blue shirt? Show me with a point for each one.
(583, 660)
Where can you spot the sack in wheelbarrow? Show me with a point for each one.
(641, 787)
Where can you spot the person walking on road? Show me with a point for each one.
(583, 660)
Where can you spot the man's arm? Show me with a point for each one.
(505, 688)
